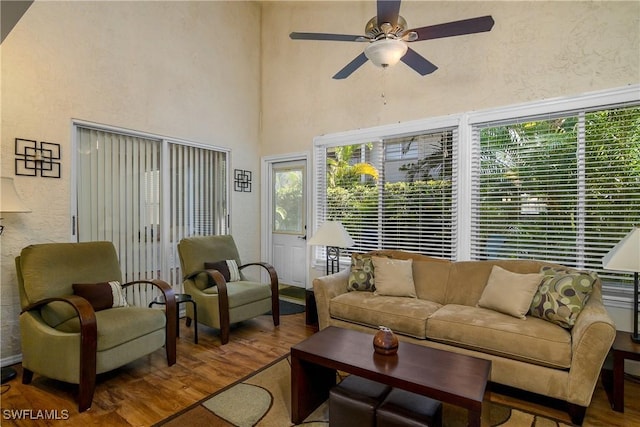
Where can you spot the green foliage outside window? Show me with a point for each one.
(400, 215)
(288, 215)
(556, 188)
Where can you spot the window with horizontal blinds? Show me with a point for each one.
(395, 193)
(563, 188)
(144, 194)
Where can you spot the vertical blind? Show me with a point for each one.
(198, 197)
(563, 188)
(117, 196)
(396, 193)
(121, 198)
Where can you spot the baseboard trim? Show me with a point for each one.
(11, 360)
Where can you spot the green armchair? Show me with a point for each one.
(222, 301)
(72, 338)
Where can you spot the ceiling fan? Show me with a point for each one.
(387, 35)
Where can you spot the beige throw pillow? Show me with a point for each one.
(510, 293)
(394, 277)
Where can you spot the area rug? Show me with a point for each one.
(287, 308)
(263, 399)
(291, 300)
(293, 293)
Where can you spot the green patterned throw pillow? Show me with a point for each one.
(361, 276)
(562, 295)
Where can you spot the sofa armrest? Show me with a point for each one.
(325, 288)
(591, 338)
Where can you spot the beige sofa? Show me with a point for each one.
(531, 354)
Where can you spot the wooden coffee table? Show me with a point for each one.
(449, 377)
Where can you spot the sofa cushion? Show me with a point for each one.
(508, 292)
(562, 295)
(243, 292)
(531, 340)
(114, 325)
(406, 316)
(394, 277)
(468, 279)
(430, 279)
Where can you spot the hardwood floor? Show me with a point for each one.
(147, 391)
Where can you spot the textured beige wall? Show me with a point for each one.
(172, 68)
(536, 50)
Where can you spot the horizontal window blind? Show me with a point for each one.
(397, 193)
(563, 188)
(417, 198)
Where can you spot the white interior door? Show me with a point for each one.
(289, 221)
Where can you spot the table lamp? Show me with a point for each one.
(333, 235)
(625, 256)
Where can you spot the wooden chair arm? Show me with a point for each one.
(223, 303)
(164, 287)
(88, 342)
(275, 287)
(171, 312)
(223, 300)
(273, 275)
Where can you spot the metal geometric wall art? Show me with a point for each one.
(242, 180)
(37, 158)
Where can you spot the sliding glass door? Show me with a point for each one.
(144, 194)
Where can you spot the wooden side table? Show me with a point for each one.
(623, 348)
(181, 299)
(311, 310)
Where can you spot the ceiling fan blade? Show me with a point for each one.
(455, 28)
(351, 67)
(325, 36)
(388, 11)
(418, 62)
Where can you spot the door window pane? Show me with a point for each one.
(288, 215)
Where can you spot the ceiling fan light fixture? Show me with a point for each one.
(385, 52)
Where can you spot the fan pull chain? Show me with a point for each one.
(384, 85)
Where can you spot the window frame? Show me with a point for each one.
(376, 135)
(465, 122)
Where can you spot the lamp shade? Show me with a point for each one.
(331, 233)
(625, 256)
(385, 52)
(9, 199)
